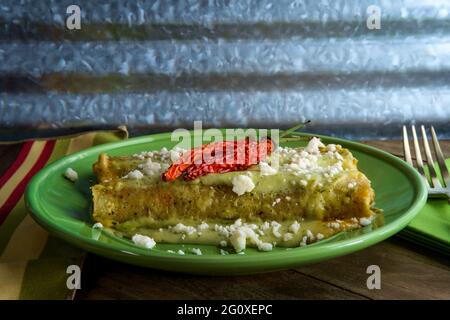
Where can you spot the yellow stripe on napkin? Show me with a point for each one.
(30, 267)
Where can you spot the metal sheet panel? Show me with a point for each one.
(158, 65)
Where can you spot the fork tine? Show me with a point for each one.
(419, 160)
(406, 148)
(430, 162)
(440, 158)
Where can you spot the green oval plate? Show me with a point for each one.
(64, 208)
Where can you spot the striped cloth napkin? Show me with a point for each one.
(33, 264)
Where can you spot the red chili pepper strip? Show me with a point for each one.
(192, 164)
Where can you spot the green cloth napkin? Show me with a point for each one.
(431, 227)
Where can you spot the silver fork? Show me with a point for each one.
(436, 188)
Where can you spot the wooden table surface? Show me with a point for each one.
(407, 272)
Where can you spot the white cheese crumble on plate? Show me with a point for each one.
(238, 240)
(265, 246)
(97, 225)
(365, 221)
(143, 241)
(71, 174)
(196, 251)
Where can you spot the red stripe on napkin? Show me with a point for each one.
(20, 188)
(17, 163)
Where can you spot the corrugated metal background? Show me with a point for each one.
(158, 65)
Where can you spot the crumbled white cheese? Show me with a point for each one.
(203, 226)
(310, 235)
(240, 234)
(238, 240)
(352, 185)
(164, 152)
(71, 174)
(181, 228)
(331, 147)
(335, 169)
(170, 251)
(174, 155)
(196, 251)
(276, 229)
(143, 241)
(303, 241)
(223, 231)
(307, 163)
(314, 145)
(181, 252)
(98, 225)
(242, 184)
(294, 227)
(275, 224)
(139, 156)
(334, 225)
(365, 221)
(265, 246)
(134, 175)
(151, 168)
(238, 223)
(287, 236)
(277, 200)
(266, 169)
(253, 237)
(223, 252)
(145, 154)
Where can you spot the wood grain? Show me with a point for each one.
(105, 279)
(405, 274)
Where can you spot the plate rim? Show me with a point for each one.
(309, 254)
